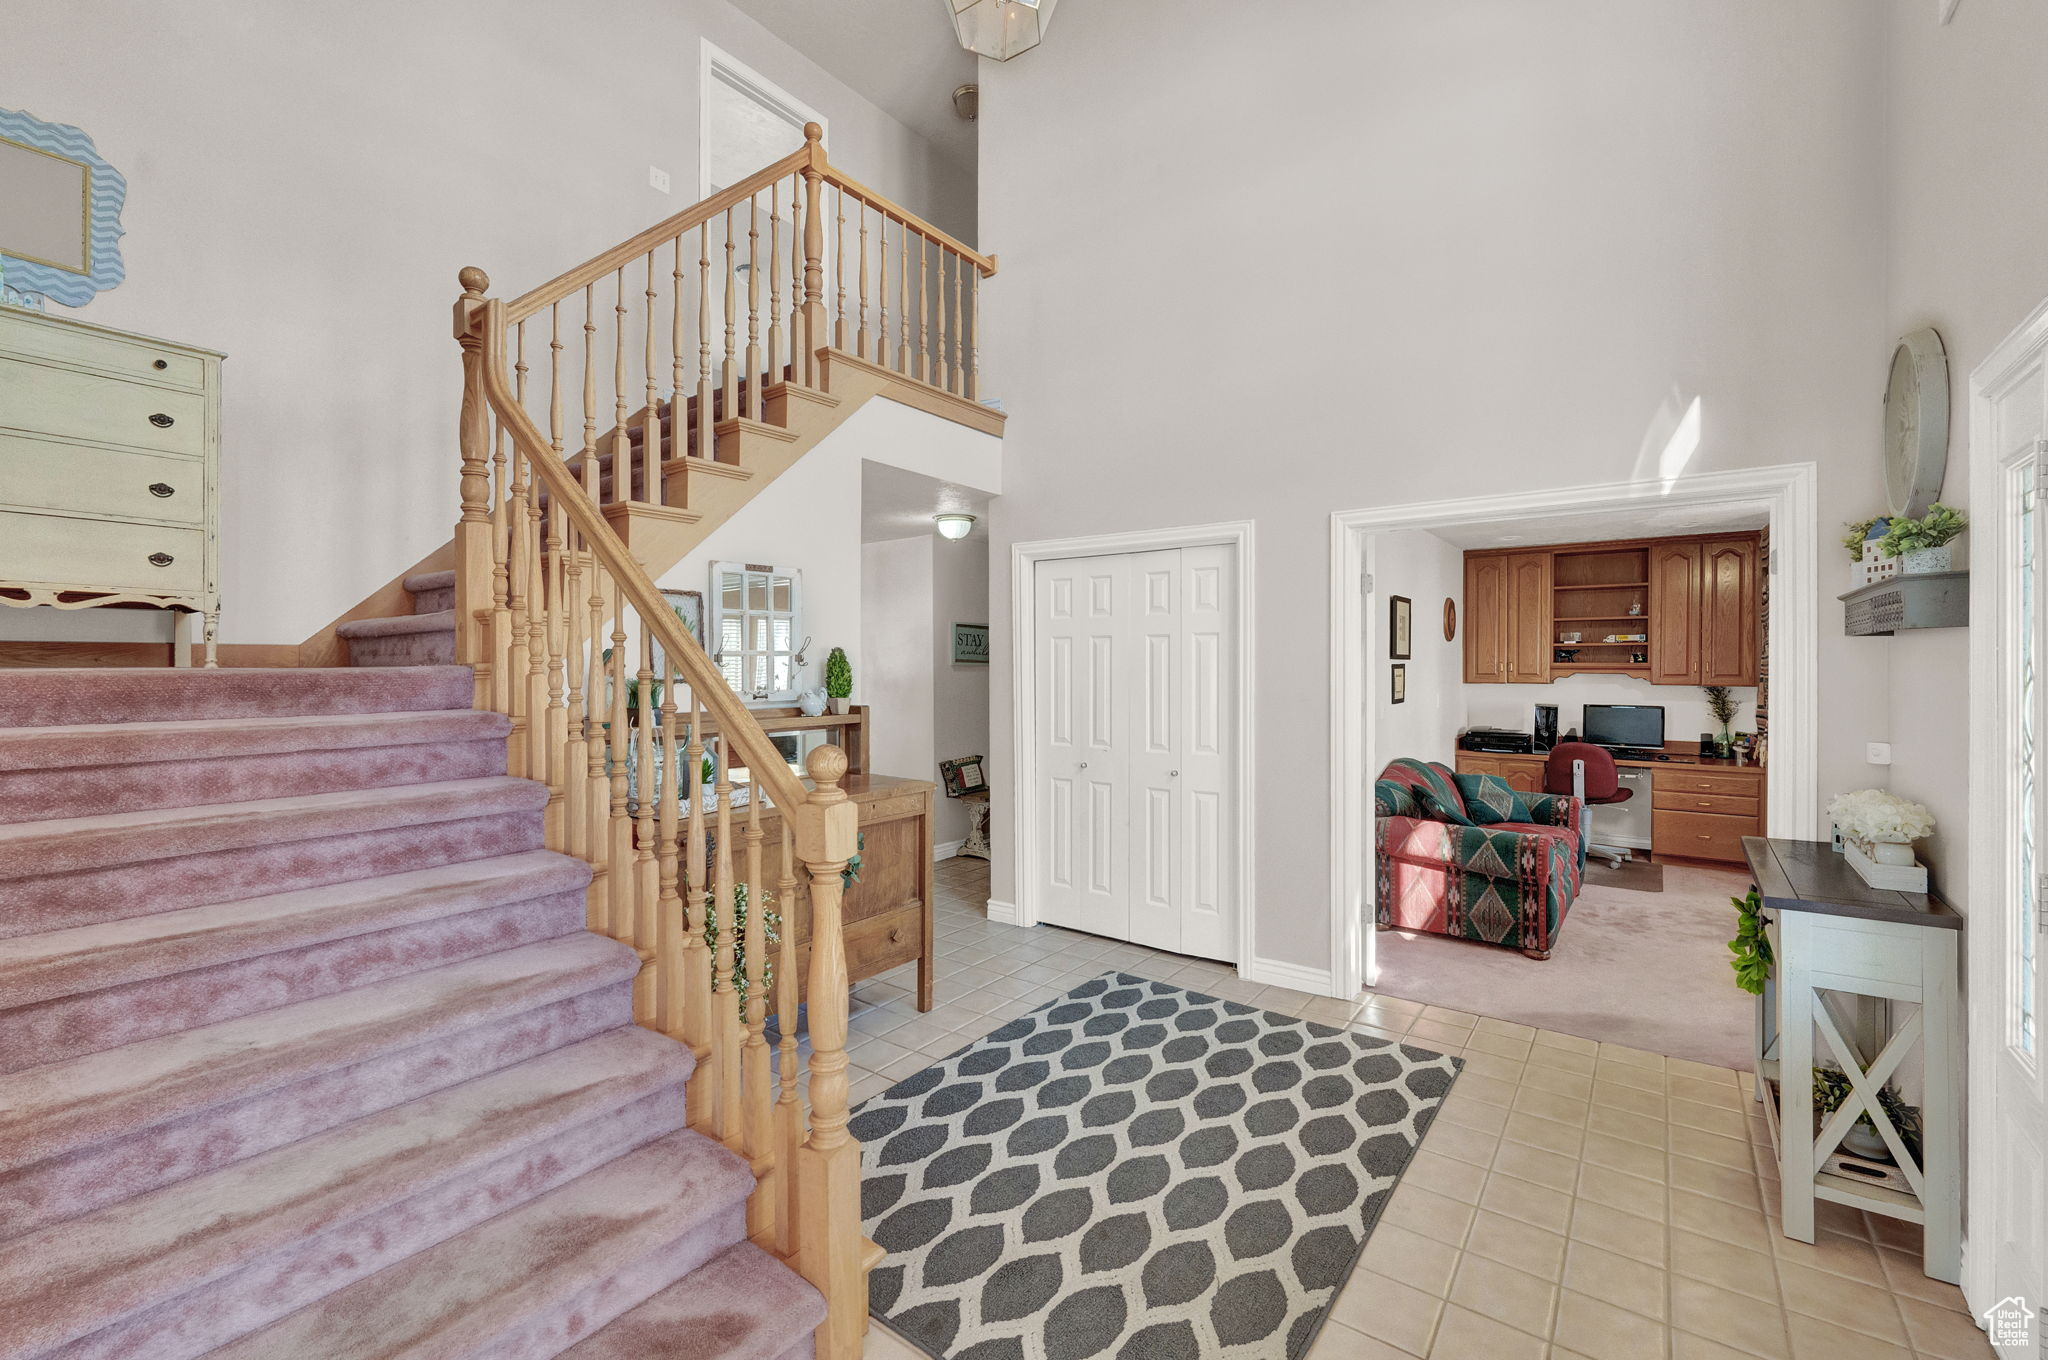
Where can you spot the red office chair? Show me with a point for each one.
(1586, 772)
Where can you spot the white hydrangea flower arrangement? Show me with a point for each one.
(1875, 816)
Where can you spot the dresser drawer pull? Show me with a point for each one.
(162, 490)
(161, 365)
(162, 421)
(896, 935)
(161, 559)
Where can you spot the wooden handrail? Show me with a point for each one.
(811, 156)
(735, 721)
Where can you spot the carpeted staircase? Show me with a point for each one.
(425, 637)
(305, 1053)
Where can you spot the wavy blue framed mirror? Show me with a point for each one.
(60, 214)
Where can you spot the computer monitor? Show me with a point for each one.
(1633, 725)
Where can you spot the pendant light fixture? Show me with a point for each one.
(1000, 28)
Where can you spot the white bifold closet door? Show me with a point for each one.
(1135, 749)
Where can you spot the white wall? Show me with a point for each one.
(896, 681)
(1968, 218)
(1427, 570)
(303, 183)
(1277, 260)
(960, 691)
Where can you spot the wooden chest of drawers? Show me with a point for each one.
(109, 470)
(1696, 812)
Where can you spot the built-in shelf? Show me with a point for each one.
(1602, 618)
(1605, 585)
(1935, 599)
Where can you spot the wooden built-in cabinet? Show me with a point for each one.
(1698, 810)
(1507, 618)
(1682, 611)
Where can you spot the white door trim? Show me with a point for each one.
(1794, 771)
(1985, 969)
(1024, 560)
(715, 63)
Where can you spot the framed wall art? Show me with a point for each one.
(970, 644)
(1397, 686)
(60, 214)
(1400, 628)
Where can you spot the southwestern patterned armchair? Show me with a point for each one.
(1456, 868)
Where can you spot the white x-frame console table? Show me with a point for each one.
(1863, 977)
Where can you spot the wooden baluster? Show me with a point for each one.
(940, 374)
(646, 877)
(597, 799)
(960, 267)
(814, 254)
(839, 276)
(619, 881)
(789, 1115)
(973, 391)
(760, 1093)
(729, 384)
(882, 345)
(828, 1168)
(799, 339)
(924, 315)
(671, 925)
(725, 1003)
(775, 351)
(700, 1097)
(704, 422)
(539, 753)
(861, 340)
(474, 563)
(648, 487)
(588, 455)
(576, 743)
(753, 308)
(622, 455)
(903, 302)
(518, 583)
(678, 411)
(562, 769)
(501, 591)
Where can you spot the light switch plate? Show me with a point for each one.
(657, 178)
(1878, 752)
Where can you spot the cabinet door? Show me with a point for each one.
(1524, 776)
(1675, 613)
(1486, 620)
(1529, 610)
(1468, 763)
(1730, 606)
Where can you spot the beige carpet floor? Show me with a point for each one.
(1649, 970)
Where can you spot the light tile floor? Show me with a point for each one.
(1574, 1200)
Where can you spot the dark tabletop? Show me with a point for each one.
(1810, 876)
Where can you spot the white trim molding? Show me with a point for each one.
(1793, 774)
(946, 849)
(1279, 973)
(1024, 559)
(1004, 913)
(716, 64)
(1992, 852)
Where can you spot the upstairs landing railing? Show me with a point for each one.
(616, 708)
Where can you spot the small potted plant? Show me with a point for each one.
(1878, 829)
(1725, 707)
(1922, 545)
(839, 681)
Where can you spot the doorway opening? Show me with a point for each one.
(745, 121)
(1718, 513)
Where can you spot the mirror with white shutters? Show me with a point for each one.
(1136, 743)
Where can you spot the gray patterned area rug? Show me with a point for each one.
(1139, 1172)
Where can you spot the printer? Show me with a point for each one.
(1497, 739)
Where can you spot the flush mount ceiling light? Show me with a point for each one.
(953, 526)
(1000, 28)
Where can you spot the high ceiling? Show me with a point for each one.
(1653, 521)
(899, 54)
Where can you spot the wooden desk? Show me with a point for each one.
(1700, 806)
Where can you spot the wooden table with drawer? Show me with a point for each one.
(887, 912)
(1700, 807)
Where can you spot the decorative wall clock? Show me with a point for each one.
(60, 214)
(1916, 423)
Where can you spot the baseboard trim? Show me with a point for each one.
(1275, 973)
(946, 849)
(1005, 913)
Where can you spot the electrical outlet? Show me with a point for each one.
(1878, 752)
(657, 178)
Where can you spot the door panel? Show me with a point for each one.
(1486, 620)
(1529, 612)
(1729, 608)
(1674, 614)
(1080, 605)
(1156, 720)
(1207, 782)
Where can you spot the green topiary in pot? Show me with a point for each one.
(1923, 542)
(838, 679)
